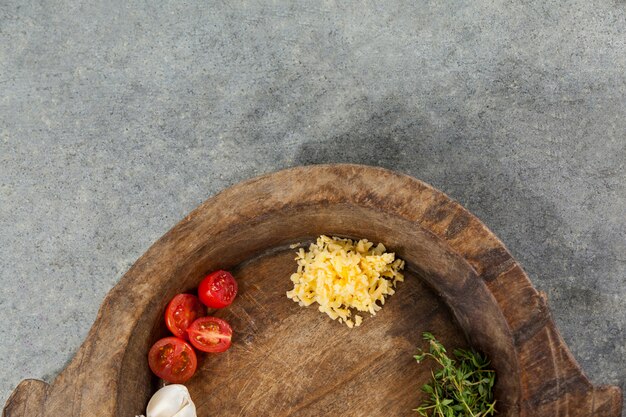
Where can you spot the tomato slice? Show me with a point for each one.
(173, 360)
(181, 312)
(218, 289)
(210, 334)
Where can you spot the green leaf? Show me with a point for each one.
(428, 336)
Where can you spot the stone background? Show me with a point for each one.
(116, 119)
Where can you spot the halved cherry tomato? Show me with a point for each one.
(218, 289)
(173, 360)
(210, 334)
(183, 310)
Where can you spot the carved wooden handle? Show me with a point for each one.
(607, 401)
(27, 399)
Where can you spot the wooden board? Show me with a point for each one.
(287, 360)
(294, 361)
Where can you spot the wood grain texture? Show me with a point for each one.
(293, 361)
(288, 360)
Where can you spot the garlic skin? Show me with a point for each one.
(171, 401)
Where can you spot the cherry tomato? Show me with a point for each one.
(218, 289)
(181, 312)
(173, 360)
(210, 334)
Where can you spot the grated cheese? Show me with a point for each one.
(341, 274)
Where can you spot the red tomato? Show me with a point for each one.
(173, 360)
(181, 312)
(210, 334)
(218, 289)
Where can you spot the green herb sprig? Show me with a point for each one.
(463, 389)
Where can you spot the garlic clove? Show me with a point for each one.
(170, 401)
(187, 411)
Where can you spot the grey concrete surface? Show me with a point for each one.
(118, 118)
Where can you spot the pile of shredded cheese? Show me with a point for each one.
(340, 274)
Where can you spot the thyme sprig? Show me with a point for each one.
(461, 388)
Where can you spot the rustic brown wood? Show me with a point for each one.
(288, 360)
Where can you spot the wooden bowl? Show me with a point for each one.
(462, 285)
